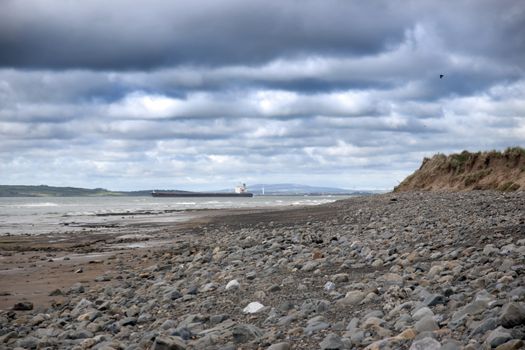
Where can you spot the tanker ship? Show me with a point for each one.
(240, 191)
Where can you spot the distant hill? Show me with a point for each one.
(502, 171)
(269, 189)
(50, 191)
(295, 189)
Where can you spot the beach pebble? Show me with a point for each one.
(232, 285)
(253, 307)
(332, 342)
(512, 314)
(329, 286)
(425, 344)
(23, 306)
(168, 343)
(279, 346)
(498, 337)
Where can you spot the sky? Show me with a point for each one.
(206, 94)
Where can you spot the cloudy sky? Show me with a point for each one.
(204, 94)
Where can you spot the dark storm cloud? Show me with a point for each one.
(482, 28)
(121, 35)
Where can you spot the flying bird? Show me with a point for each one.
(441, 76)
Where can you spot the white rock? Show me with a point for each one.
(233, 284)
(253, 307)
(329, 286)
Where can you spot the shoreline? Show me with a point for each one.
(66, 215)
(384, 271)
(25, 258)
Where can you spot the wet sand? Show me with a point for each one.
(32, 266)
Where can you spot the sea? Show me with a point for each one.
(51, 215)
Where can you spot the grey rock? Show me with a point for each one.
(103, 278)
(27, 342)
(485, 325)
(512, 314)
(514, 344)
(352, 325)
(208, 287)
(422, 312)
(279, 346)
(372, 321)
(144, 318)
(474, 308)
(426, 334)
(310, 266)
(314, 305)
(173, 294)
(425, 344)
(392, 279)
(91, 315)
(332, 342)
(206, 342)
(77, 288)
(56, 292)
(183, 333)
(451, 345)
(341, 278)
(357, 336)
(402, 322)
(286, 320)
(23, 306)
(352, 298)
(246, 332)
(518, 292)
(168, 343)
(168, 324)
(273, 288)
(456, 323)
(82, 306)
(215, 319)
(228, 347)
(498, 336)
(426, 324)
(315, 324)
(80, 334)
(435, 299)
(489, 249)
(128, 321)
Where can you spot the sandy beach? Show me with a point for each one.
(393, 271)
(32, 266)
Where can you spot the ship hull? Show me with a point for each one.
(199, 194)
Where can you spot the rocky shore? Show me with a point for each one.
(396, 271)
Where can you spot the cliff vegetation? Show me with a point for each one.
(466, 171)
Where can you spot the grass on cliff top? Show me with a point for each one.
(467, 169)
(458, 162)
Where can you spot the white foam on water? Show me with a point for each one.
(34, 205)
(74, 214)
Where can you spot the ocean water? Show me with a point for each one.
(48, 215)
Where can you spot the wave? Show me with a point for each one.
(32, 205)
